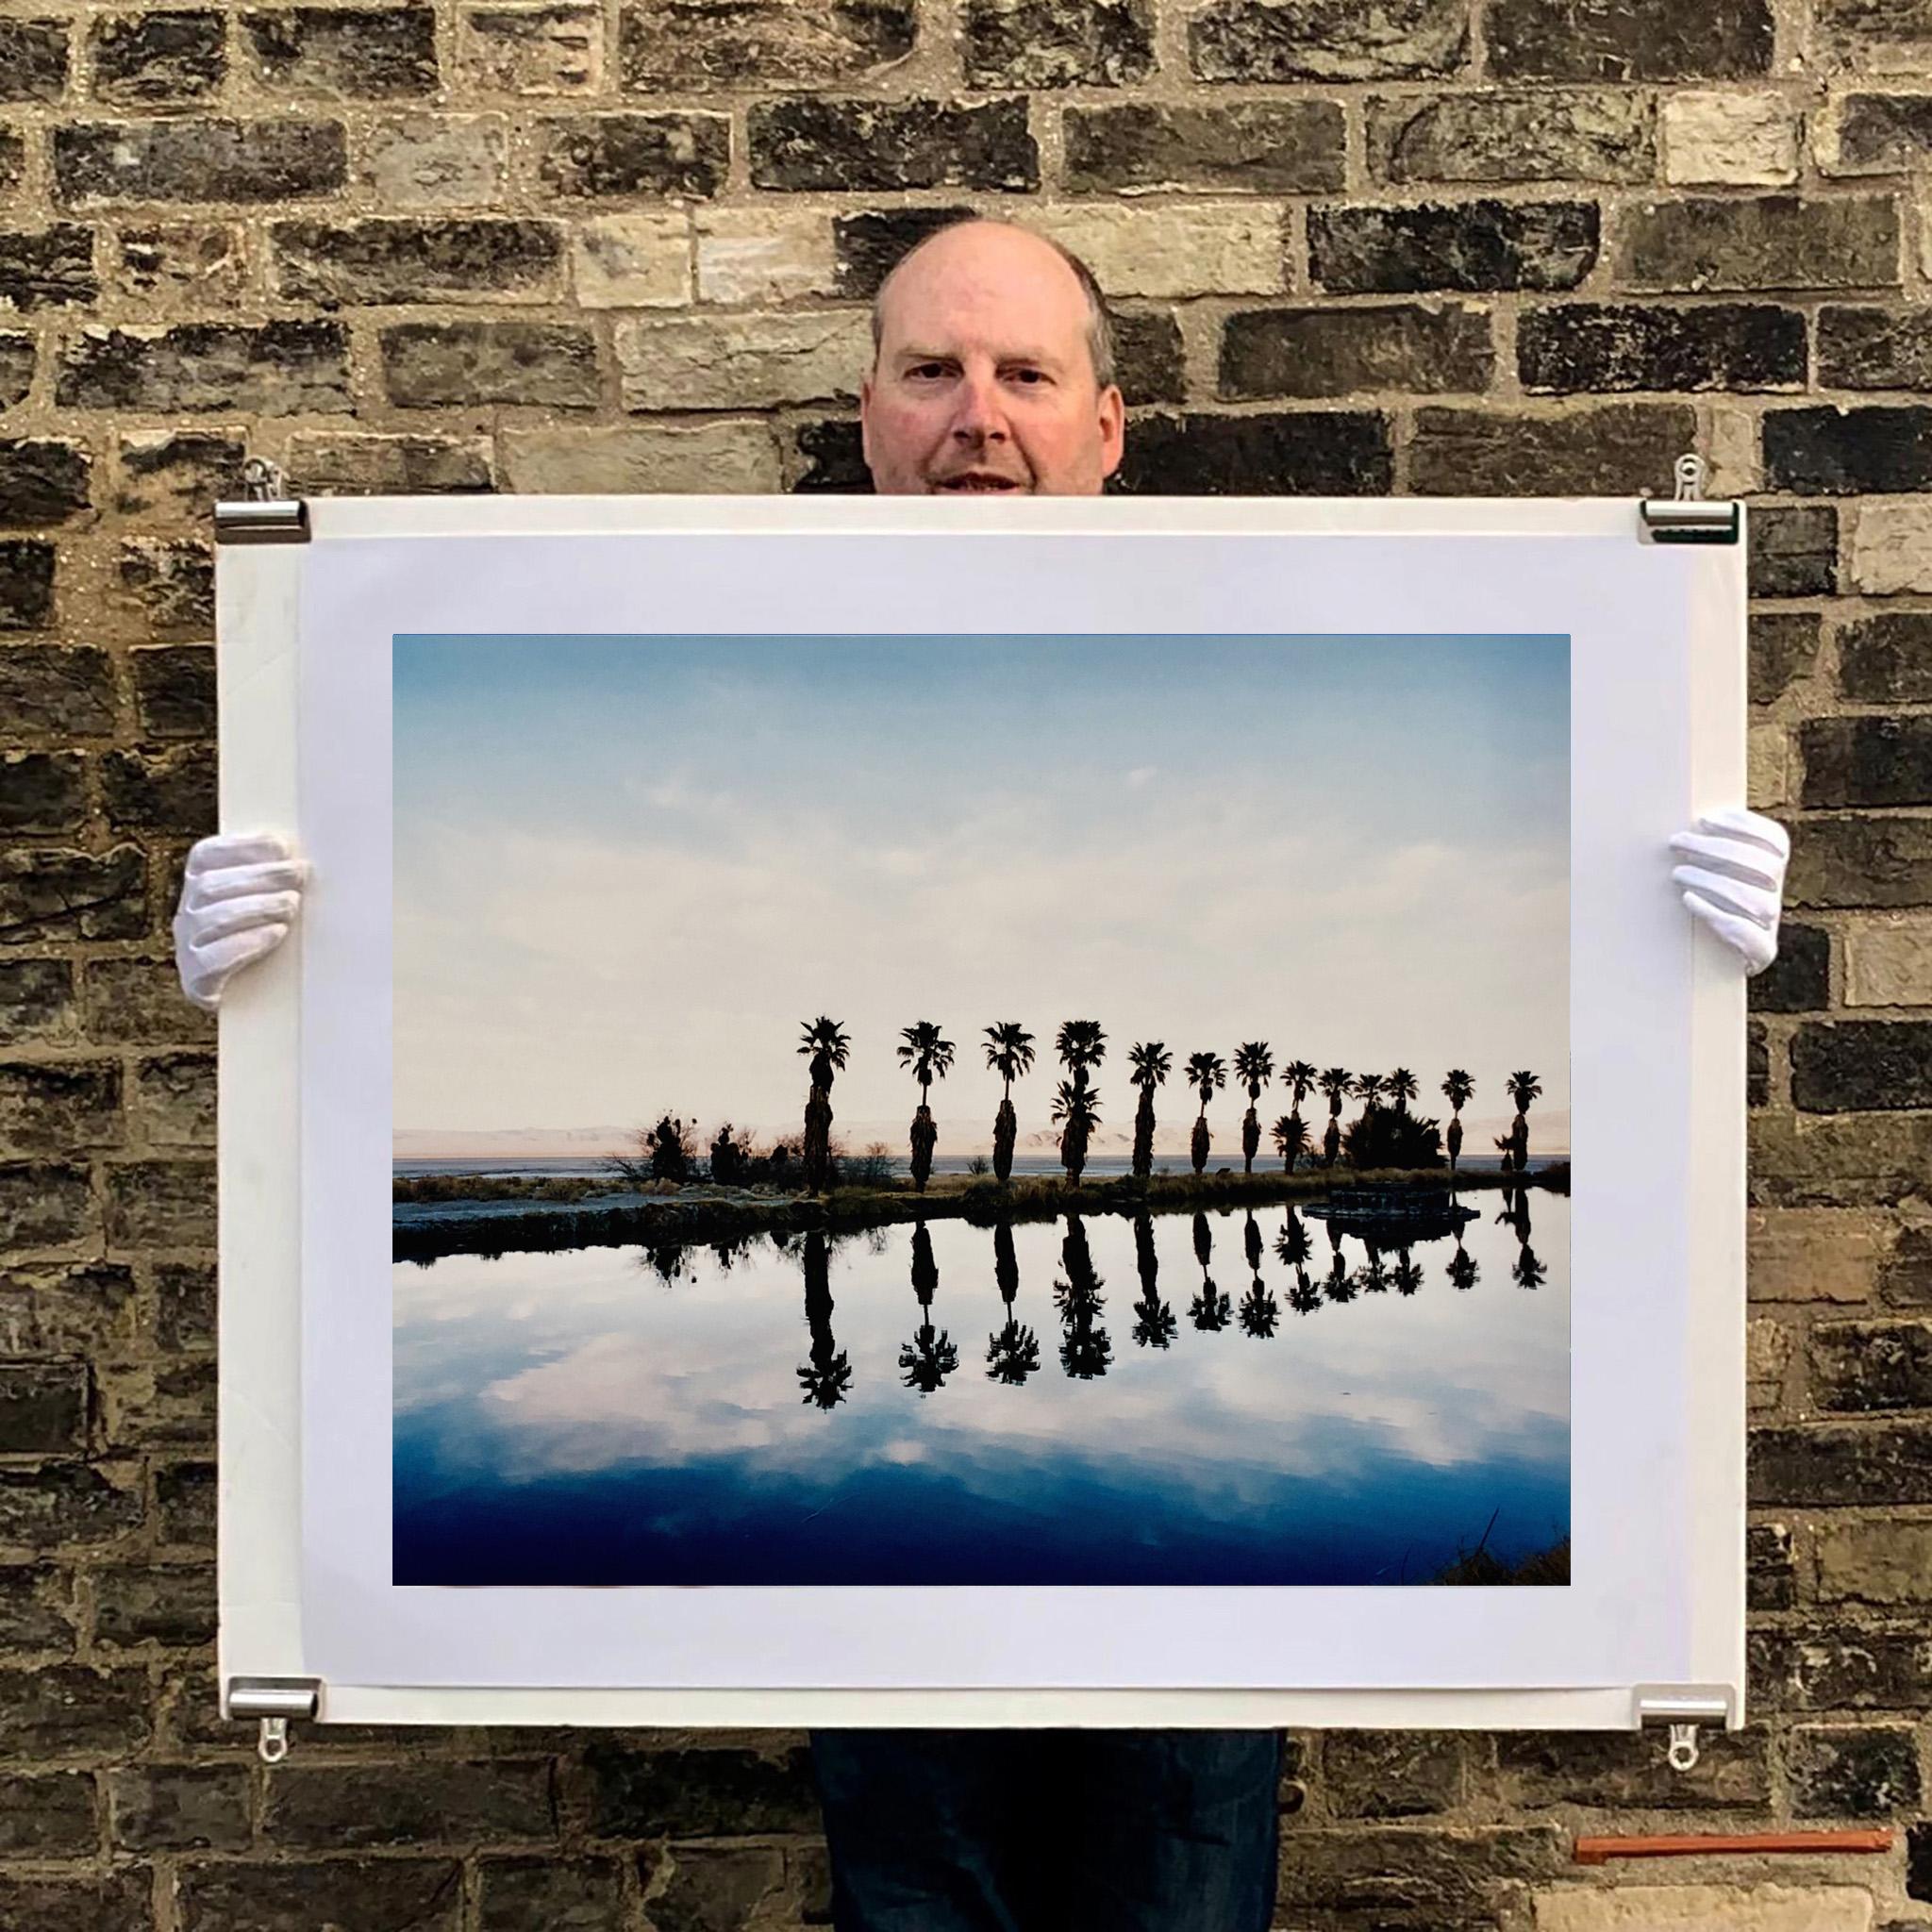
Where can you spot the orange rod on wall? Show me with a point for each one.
(1598, 1851)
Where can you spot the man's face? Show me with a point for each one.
(984, 383)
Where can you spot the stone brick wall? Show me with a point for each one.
(1424, 245)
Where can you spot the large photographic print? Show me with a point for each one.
(981, 1110)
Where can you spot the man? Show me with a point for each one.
(993, 373)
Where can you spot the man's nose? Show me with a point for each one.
(978, 416)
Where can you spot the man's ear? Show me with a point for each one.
(1114, 429)
(865, 419)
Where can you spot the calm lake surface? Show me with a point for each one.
(1051, 1403)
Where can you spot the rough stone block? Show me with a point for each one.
(1889, 964)
(1301, 452)
(671, 46)
(1312, 40)
(42, 792)
(1883, 1563)
(1719, 345)
(178, 1807)
(540, 364)
(363, 52)
(68, 1710)
(749, 257)
(139, 1001)
(161, 1203)
(1705, 1909)
(1566, 135)
(1230, 248)
(1867, 760)
(1470, 246)
(215, 159)
(1334, 352)
(600, 157)
(1793, 550)
(1616, 450)
(1862, 1064)
(698, 1791)
(159, 60)
(174, 1100)
(160, 791)
(1837, 452)
(72, 1310)
(1891, 552)
(331, 1806)
(1609, 1770)
(1874, 348)
(169, 582)
(531, 51)
(411, 259)
(1391, 1774)
(639, 260)
(59, 1107)
(26, 585)
(1783, 649)
(37, 1001)
(369, 1894)
(1268, 147)
(358, 464)
(48, 1817)
(740, 362)
(1878, 35)
(273, 369)
(1730, 140)
(1870, 1770)
(195, 265)
(1866, 1367)
(1761, 243)
(1873, 133)
(1041, 43)
(33, 60)
(713, 459)
(175, 691)
(1860, 862)
(436, 160)
(1618, 41)
(170, 1603)
(1824, 1464)
(884, 146)
(1799, 979)
(48, 892)
(175, 475)
(524, 1894)
(1812, 1253)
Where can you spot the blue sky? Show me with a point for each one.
(627, 867)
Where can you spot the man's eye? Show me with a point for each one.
(1030, 376)
(926, 369)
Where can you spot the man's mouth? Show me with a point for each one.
(975, 480)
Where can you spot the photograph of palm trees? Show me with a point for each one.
(982, 1110)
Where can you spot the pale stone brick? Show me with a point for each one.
(1736, 463)
(741, 362)
(437, 161)
(1892, 546)
(713, 459)
(1888, 965)
(1886, 1563)
(1736, 140)
(1811, 1253)
(556, 49)
(1705, 1909)
(1768, 766)
(639, 260)
(750, 255)
(1192, 250)
(1767, 1354)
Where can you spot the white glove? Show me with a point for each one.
(1736, 882)
(238, 897)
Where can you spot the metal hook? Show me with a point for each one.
(1683, 1750)
(262, 480)
(1691, 470)
(274, 1742)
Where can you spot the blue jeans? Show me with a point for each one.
(1050, 1831)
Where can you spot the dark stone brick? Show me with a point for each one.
(117, 1902)
(675, 46)
(1864, 1367)
(215, 159)
(1793, 550)
(175, 691)
(412, 260)
(27, 587)
(1860, 862)
(42, 792)
(884, 146)
(1312, 452)
(369, 1894)
(49, 692)
(51, 268)
(33, 60)
(1728, 345)
(698, 1791)
(66, 1503)
(1874, 348)
(866, 247)
(36, 1607)
(1620, 449)
(169, 1604)
(185, 1500)
(12, 161)
(548, 1895)
(1799, 979)
(48, 1817)
(1756, 1065)
(1784, 648)
(1867, 1772)
(1877, 32)
(1765, 241)
(1609, 1769)
(1829, 1463)
(1041, 43)
(545, 364)
(57, 1107)
(1905, 1276)
(49, 893)
(35, 1000)
(141, 60)
(1270, 148)
(41, 481)
(174, 1100)
(1472, 246)
(1391, 1877)
(178, 1807)
(274, 369)
(69, 1711)
(185, 1307)
(43, 1205)
(1391, 1774)
(161, 1203)
(587, 157)
(1334, 352)
(1864, 1670)
(17, 356)
(720, 1884)
(329, 1806)
(1887, 659)
(835, 460)
(160, 791)
(1149, 360)
(1883, 134)
(202, 263)
(1867, 760)
(171, 582)
(1919, 1862)
(361, 54)
(1326, 39)
(138, 1002)
(1838, 452)
(172, 475)
(384, 465)
(73, 1310)
(1566, 135)
(1862, 1065)
(43, 1409)
(162, 1404)
(1771, 1576)
(1630, 40)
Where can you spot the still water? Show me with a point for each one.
(1213, 1398)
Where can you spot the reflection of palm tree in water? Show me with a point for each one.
(1304, 1298)
(1209, 1310)
(930, 1357)
(1260, 1312)
(1085, 1349)
(1373, 1277)
(1013, 1354)
(1525, 1270)
(1408, 1276)
(1153, 1322)
(1463, 1272)
(827, 1376)
(1340, 1285)
(1292, 1244)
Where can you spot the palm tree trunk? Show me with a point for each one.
(1143, 1135)
(818, 1139)
(1455, 1140)
(1332, 1142)
(1006, 1130)
(1251, 1139)
(1201, 1142)
(924, 1133)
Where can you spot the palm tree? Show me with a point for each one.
(1337, 1083)
(1254, 1067)
(1208, 1310)
(1259, 1311)
(1206, 1071)
(1009, 1054)
(1401, 1088)
(1152, 1063)
(1303, 1298)
(1291, 1138)
(1013, 1353)
(1153, 1318)
(929, 1057)
(1292, 1244)
(826, 1044)
(1409, 1275)
(1076, 1113)
(930, 1357)
(1368, 1088)
(1456, 1088)
(1298, 1076)
(1523, 1088)
(1462, 1269)
(1085, 1350)
(828, 1374)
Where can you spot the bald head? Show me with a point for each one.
(992, 369)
